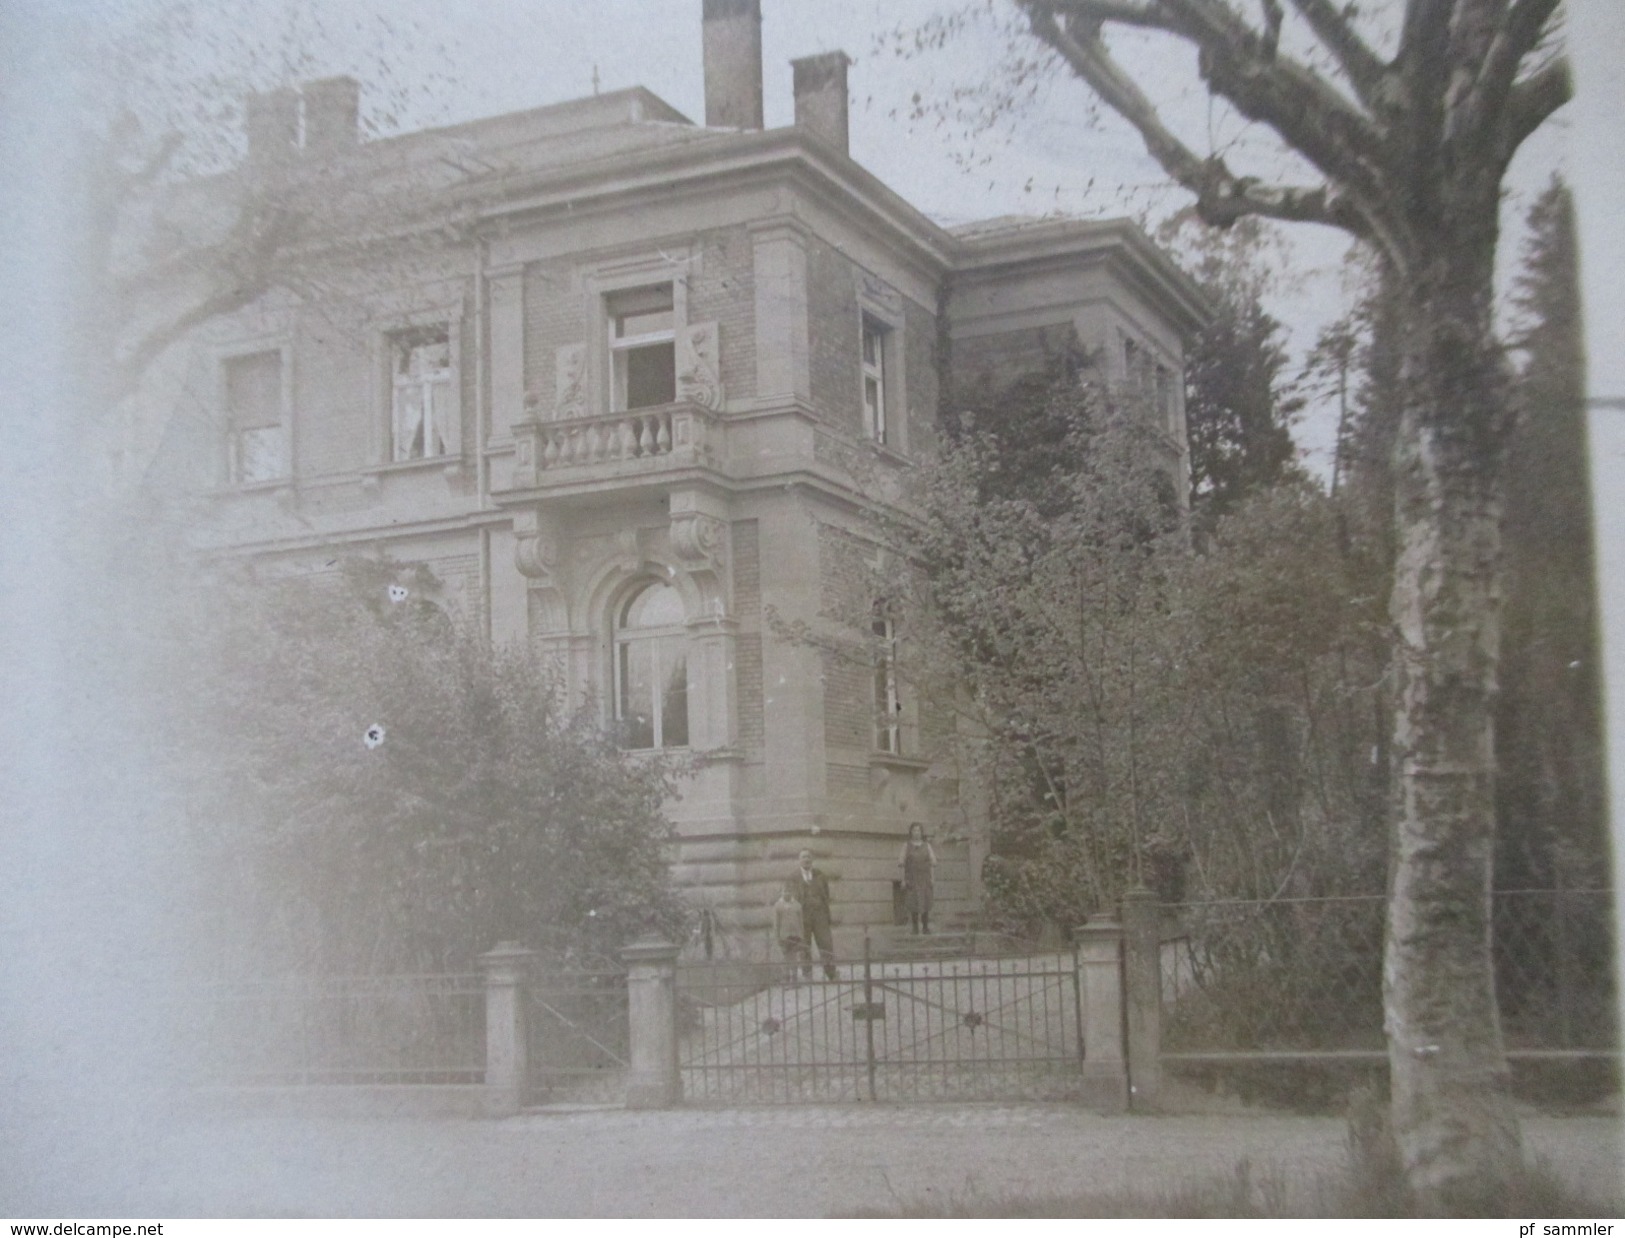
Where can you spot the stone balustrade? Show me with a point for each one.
(683, 431)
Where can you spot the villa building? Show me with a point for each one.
(631, 386)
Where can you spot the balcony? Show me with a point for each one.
(615, 446)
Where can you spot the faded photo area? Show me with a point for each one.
(748, 608)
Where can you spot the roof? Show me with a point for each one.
(628, 142)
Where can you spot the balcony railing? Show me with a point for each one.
(683, 432)
(626, 436)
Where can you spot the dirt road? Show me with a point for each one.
(806, 1162)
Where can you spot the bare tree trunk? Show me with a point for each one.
(1452, 1110)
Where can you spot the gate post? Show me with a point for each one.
(651, 1007)
(1100, 963)
(506, 968)
(1142, 982)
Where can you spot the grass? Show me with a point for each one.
(1368, 1185)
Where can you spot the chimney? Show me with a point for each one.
(271, 120)
(733, 64)
(821, 107)
(332, 114)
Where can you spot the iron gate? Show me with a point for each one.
(884, 1029)
(576, 1035)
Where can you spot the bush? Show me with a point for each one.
(370, 787)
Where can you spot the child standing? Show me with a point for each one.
(787, 930)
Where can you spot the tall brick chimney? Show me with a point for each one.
(271, 122)
(821, 103)
(332, 114)
(732, 34)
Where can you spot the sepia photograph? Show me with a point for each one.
(871, 609)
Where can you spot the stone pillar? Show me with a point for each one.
(783, 348)
(1142, 982)
(651, 1000)
(505, 289)
(1105, 1074)
(506, 969)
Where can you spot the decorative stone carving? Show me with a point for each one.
(536, 553)
(699, 376)
(699, 540)
(536, 545)
(570, 380)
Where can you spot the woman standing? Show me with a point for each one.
(918, 861)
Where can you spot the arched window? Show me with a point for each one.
(651, 670)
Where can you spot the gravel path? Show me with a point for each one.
(811, 1161)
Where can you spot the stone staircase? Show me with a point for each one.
(959, 937)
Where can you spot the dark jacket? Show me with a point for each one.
(813, 895)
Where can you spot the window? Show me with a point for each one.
(888, 708)
(256, 448)
(874, 378)
(423, 408)
(651, 670)
(643, 347)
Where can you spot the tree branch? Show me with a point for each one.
(1423, 40)
(244, 276)
(1319, 122)
(1360, 65)
(1533, 100)
(1520, 33)
(1221, 197)
(1147, 16)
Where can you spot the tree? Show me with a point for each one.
(1238, 404)
(369, 787)
(195, 195)
(1407, 152)
(1139, 713)
(1549, 793)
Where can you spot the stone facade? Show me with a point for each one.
(663, 357)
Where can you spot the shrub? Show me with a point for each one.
(369, 786)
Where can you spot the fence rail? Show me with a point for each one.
(335, 1030)
(895, 1029)
(577, 1036)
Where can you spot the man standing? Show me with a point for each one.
(810, 888)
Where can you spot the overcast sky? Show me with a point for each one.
(451, 60)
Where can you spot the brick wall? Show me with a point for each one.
(849, 713)
(333, 398)
(553, 310)
(724, 292)
(920, 347)
(833, 324)
(846, 587)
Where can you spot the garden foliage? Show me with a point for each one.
(371, 787)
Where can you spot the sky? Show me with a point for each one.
(920, 120)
